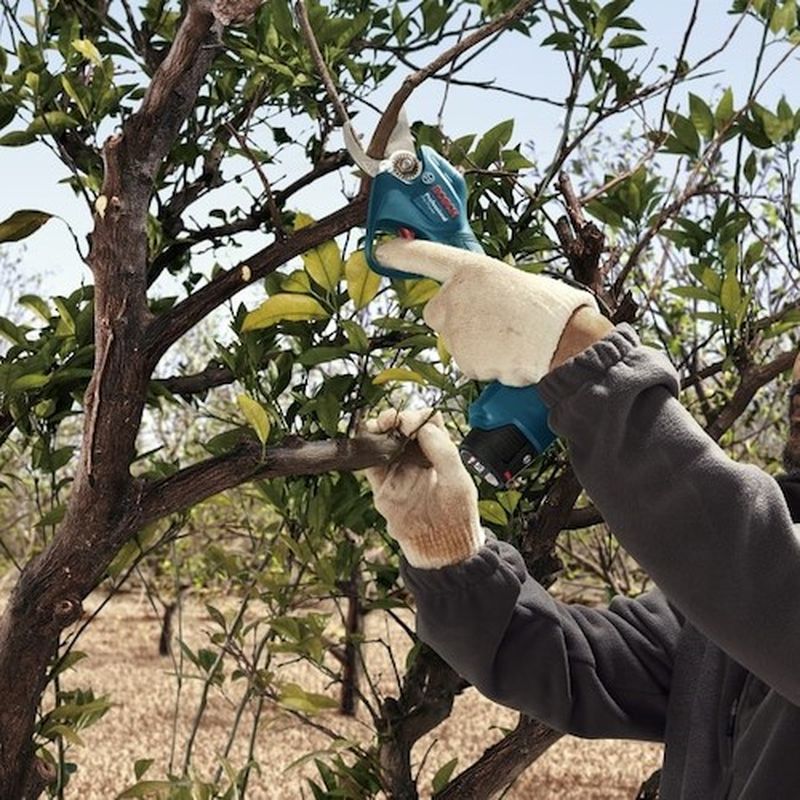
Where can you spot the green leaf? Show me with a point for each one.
(55, 730)
(284, 307)
(561, 40)
(695, 293)
(701, 115)
(298, 282)
(33, 380)
(750, 167)
(256, 415)
(443, 774)
(492, 511)
(324, 262)
(356, 336)
(724, 111)
(488, 148)
(513, 161)
(419, 291)
(37, 305)
(731, 293)
(148, 789)
(625, 40)
(52, 122)
(685, 133)
(140, 766)
(608, 13)
(784, 17)
(362, 283)
(398, 374)
(72, 93)
(295, 697)
(52, 517)
(87, 49)
(17, 139)
(776, 128)
(22, 224)
(66, 324)
(328, 410)
(69, 661)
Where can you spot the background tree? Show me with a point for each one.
(697, 248)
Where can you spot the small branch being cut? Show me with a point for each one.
(247, 462)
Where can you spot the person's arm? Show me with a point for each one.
(589, 672)
(715, 535)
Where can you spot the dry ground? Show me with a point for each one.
(123, 662)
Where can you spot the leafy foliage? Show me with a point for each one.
(696, 201)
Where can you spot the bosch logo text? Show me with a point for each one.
(446, 202)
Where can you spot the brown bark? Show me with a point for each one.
(502, 763)
(753, 378)
(47, 597)
(353, 629)
(191, 485)
(429, 688)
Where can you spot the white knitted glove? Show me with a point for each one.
(499, 323)
(431, 511)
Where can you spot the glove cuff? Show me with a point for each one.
(562, 302)
(442, 547)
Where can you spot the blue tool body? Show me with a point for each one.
(508, 424)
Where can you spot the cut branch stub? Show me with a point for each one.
(234, 12)
(583, 241)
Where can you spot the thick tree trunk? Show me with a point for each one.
(102, 512)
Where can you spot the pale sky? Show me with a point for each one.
(31, 175)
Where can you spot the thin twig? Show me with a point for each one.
(330, 87)
(274, 211)
(389, 118)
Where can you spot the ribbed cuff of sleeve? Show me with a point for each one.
(588, 364)
(443, 547)
(488, 562)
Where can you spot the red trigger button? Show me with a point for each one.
(406, 233)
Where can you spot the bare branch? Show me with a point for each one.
(753, 379)
(503, 762)
(247, 462)
(187, 385)
(583, 518)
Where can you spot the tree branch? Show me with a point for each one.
(753, 379)
(247, 462)
(187, 385)
(168, 328)
(502, 763)
(322, 68)
(387, 122)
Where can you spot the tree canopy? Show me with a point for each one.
(189, 132)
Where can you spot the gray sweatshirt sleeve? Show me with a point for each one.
(716, 536)
(594, 673)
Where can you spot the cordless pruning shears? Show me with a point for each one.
(418, 194)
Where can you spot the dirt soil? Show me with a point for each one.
(123, 662)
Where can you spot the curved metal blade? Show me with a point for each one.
(401, 138)
(353, 144)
